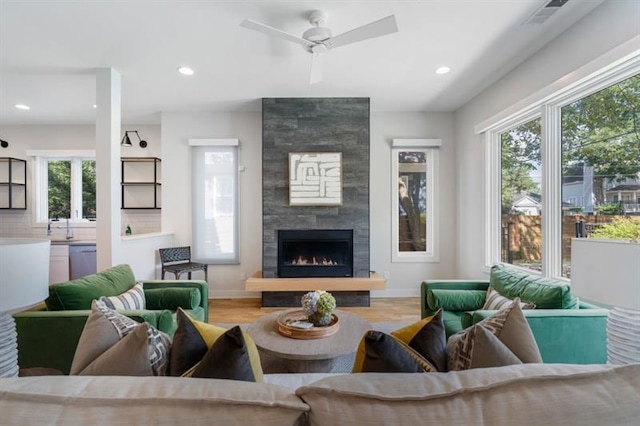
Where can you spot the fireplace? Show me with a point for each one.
(315, 253)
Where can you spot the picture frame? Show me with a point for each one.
(315, 178)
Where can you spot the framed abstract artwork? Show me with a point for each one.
(315, 178)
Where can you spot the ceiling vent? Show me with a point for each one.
(545, 12)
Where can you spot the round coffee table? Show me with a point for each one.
(308, 356)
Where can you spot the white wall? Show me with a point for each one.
(610, 25)
(404, 278)
(606, 271)
(225, 281)
(228, 280)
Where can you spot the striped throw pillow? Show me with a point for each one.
(495, 301)
(132, 299)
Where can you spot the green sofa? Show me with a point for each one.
(566, 330)
(48, 337)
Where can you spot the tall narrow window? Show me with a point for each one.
(521, 195)
(414, 227)
(215, 201)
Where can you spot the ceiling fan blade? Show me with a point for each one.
(257, 26)
(374, 29)
(315, 76)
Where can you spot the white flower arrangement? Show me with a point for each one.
(319, 306)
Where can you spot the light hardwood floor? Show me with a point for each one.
(230, 311)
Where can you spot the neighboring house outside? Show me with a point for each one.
(573, 193)
(627, 193)
(530, 204)
(527, 203)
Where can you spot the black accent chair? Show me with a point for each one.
(177, 260)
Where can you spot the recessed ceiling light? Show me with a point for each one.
(185, 71)
(95, 106)
(22, 106)
(442, 70)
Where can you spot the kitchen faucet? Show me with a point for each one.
(69, 233)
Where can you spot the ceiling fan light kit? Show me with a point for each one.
(318, 39)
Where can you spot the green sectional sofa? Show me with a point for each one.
(47, 337)
(566, 330)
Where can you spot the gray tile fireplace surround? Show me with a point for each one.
(315, 125)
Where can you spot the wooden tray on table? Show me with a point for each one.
(304, 333)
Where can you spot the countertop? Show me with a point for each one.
(73, 242)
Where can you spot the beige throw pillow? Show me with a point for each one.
(105, 342)
(495, 301)
(471, 348)
(132, 299)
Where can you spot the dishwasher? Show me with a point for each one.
(82, 261)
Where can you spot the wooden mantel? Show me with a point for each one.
(373, 282)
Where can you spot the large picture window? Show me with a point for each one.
(215, 200)
(601, 165)
(414, 222)
(566, 167)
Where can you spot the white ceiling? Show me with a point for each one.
(49, 49)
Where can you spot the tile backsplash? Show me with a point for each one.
(141, 221)
(19, 224)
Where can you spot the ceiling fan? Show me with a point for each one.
(318, 39)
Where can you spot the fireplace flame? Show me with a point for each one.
(313, 262)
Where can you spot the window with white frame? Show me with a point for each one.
(414, 226)
(65, 186)
(215, 200)
(572, 150)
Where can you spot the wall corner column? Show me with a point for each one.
(108, 123)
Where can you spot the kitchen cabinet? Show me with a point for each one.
(59, 263)
(13, 183)
(140, 181)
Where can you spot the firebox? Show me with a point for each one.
(315, 253)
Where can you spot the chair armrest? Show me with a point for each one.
(569, 336)
(427, 285)
(198, 284)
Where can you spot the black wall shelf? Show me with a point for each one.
(13, 184)
(140, 181)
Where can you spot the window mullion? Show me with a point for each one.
(551, 191)
(492, 197)
(42, 179)
(76, 189)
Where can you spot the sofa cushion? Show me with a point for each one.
(193, 340)
(546, 293)
(104, 345)
(78, 294)
(172, 298)
(495, 301)
(525, 394)
(428, 338)
(132, 299)
(452, 322)
(108, 401)
(455, 300)
(511, 329)
(381, 353)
